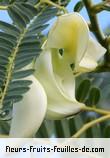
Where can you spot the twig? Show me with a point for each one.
(90, 124)
(49, 2)
(3, 7)
(99, 7)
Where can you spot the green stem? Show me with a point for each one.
(49, 2)
(3, 7)
(100, 111)
(37, 5)
(90, 124)
(99, 7)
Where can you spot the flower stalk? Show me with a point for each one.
(92, 109)
(49, 2)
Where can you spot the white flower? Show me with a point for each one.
(70, 33)
(68, 49)
(29, 113)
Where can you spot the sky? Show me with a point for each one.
(103, 17)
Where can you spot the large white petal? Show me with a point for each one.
(29, 113)
(87, 64)
(90, 60)
(60, 103)
(95, 50)
(70, 32)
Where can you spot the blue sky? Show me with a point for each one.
(103, 17)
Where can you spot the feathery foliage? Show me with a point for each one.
(20, 44)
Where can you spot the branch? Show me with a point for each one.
(101, 7)
(96, 29)
(94, 22)
(90, 124)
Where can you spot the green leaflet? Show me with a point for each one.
(94, 96)
(83, 90)
(78, 7)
